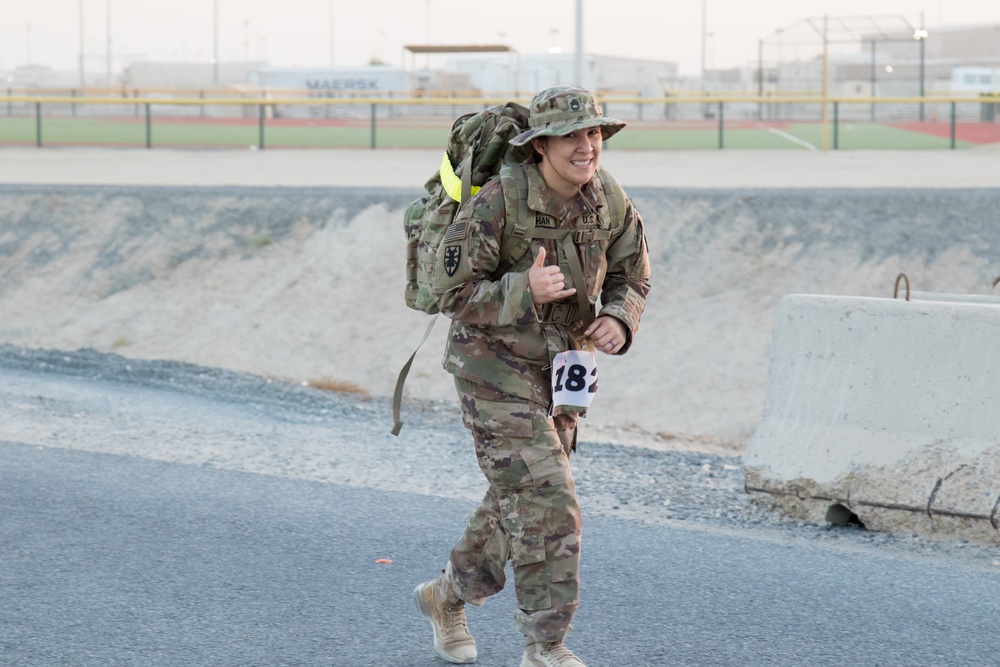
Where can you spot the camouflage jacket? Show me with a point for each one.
(498, 337)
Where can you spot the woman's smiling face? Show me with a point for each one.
(569, 161)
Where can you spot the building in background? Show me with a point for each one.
(952, 60)
(152, 75)
(869, 63)
(371, 81)
(519, 75)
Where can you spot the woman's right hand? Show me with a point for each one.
(547, 283)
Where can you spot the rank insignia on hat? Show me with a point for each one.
(452, 256)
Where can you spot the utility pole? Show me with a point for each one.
(760, 79)
(107, 64)
(873, 78)
(427, 35)
(331, 34)
(215, 41)
(83, 78)
(578, 58)
(704, 39)
(921, 36)
(826, 83)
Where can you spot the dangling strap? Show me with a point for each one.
(397, 395)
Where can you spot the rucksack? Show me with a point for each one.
(478, 145)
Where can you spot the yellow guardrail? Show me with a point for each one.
(486, 101)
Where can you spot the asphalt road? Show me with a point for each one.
(114, 560)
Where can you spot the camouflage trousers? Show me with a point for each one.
(529, 515)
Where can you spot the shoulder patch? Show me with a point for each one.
(456, 231)
(452, 259)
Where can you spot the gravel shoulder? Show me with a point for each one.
(196, 415)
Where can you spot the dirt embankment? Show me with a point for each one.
(306, 284)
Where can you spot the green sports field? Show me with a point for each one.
(169, 131)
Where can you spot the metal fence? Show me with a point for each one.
(142, 117)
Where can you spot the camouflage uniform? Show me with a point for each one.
(500, 349)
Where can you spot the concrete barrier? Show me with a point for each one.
(883, 411)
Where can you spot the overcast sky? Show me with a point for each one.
(297, 33)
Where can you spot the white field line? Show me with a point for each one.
(794, 140)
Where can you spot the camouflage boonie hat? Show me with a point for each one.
(564, 109)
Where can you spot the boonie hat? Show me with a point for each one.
(558, 111)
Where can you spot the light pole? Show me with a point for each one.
(83, 79)
(704, 39)
(760, 78)
(215, 41)
(761, 75)
(107, 64)
(331, 35)
(578, 56)
(874, 42)
(826, 81)
(427, 36)
(921, 36)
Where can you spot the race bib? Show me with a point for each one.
(574, 378)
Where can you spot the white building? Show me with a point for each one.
(975, 79)
(371, 81)
(523, 75)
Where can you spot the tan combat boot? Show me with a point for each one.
(446, 613)
(553, 654)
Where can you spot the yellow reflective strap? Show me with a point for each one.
(452, 183)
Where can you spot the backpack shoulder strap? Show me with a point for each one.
(519, 229)
(519, 226)
(614, 195)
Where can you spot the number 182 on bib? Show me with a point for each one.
(574, 378)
